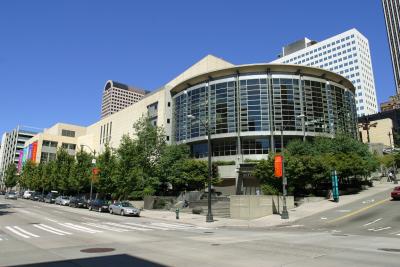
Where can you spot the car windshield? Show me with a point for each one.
(126, 204)
(64, 197)
(11, 192)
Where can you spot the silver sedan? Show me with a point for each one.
(62, 200)
(124, 208)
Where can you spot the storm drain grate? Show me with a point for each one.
(390, 249)
(97, 250)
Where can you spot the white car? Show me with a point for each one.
(27, 194)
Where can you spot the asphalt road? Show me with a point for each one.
(377, 215)
(39, 234)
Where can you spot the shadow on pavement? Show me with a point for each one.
(113, 260)
(3, 210)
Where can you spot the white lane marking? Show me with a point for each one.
(55, 229)
(90, 219)
(368, 201)
(51, 220)
(80, 228)
(42, 227)
(173, 226)
(0, 239)
(395, 233)
(144, 228)
(105, 227)
(148, 226)
(377, 220)
(379, 229)
(324, 218)
(16, 232)
(25, 232)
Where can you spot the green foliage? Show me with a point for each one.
(80, 172)
(268, 189)
(27, 175)
(309, 164)
(107, 164)
(224, 162)
(62, 170)
(10, 176)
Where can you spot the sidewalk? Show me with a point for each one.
(300, 212)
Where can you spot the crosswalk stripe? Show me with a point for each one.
(377, 220)
(16, 232)
(105, 227)
(176, 226)
(80, 228)
(47, 230)
(129, 227)
(379, 229)
(55, 229)
(148, 226)
(25, 232)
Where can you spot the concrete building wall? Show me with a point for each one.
(382, 133)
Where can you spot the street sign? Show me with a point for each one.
(278, 166)
(95, 171)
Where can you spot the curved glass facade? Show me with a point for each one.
(252, 107)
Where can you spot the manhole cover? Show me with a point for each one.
(390, 249)
(215, 244)
(208, 232)
(97, 250)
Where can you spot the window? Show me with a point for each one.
(67, 133)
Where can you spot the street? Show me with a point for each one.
(39, 234)
(376, 215)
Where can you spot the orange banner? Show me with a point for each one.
(34, 151)
(278, 166)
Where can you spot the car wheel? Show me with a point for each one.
(122, 213)
(111, 211)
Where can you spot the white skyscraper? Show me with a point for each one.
(347, 54)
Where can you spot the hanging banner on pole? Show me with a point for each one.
(278, 166)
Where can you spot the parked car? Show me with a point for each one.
(27, 194)
(40, 197)
(78, 202)
(396, 193)
(99, 205)
(2, 192)
(50, 197)
(11, 195)
(35, 196)
(124, 208)
(62, 200)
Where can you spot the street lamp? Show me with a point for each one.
(94, 164)
(285, 213)
(206, 125)
(303, 125)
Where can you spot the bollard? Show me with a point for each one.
(177, 213)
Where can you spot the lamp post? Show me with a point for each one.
(394, 162)
(285, 213)
(303, 125)
(94, 164)
(206, 125)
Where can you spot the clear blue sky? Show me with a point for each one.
(55, 56)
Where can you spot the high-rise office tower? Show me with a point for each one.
(117, 96)
(391, 9)
(347, 54)
(12, 143)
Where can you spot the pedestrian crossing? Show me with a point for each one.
(55, 228)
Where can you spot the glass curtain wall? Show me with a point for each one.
(327, 109)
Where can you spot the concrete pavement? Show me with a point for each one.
(38, 234)
(303, 211)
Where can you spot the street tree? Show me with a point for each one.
(10, 176)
